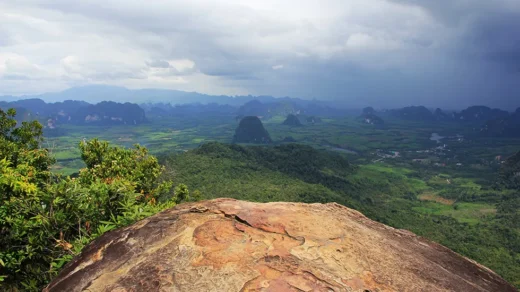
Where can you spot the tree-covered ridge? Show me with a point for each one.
(46, 219)
(108, 112)
(251, 130)
(510, 173)
(480, 113)
(268, 110)
(370, 116)
(281, 107)
(298, 160)
(292, 120)
(508, 126)
(78, 112)
(371, 119)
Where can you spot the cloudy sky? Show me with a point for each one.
(447, 53)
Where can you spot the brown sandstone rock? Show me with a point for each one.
(230, 245)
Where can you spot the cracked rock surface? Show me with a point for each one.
(230, 245)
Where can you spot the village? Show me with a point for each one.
(440, 155)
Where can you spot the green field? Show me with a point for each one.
(178, 134)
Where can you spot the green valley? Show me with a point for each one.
(438, 179)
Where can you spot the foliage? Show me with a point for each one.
(114, 163)
(292, 120)
(109, 112)
(510, 173)
(45, 220)
(251, 130)
(480, 113)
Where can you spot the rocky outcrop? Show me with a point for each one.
(369, 111)
(369, 116)
(371, 119)
(251, 130)
(440, 115)
(109, 112)
(480, 113)
(253, 108)
(80, 112)
(292, 120)
(503, 127)
(230, 245)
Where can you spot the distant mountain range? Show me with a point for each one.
(99, 93)
(70, 106)
(490, 122)
(76, 112)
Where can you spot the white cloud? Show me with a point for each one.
(174, 41)
(362, 41)
(233, 46)
(14, 67)
(182, 65)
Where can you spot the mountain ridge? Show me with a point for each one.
(98, 93)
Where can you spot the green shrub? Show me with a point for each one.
(46, 219)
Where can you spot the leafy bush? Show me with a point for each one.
(46, 219)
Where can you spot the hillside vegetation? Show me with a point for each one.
(390, 195)
(251, 130)
(46, 219)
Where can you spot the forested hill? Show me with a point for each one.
(108, 112)
(510, 173)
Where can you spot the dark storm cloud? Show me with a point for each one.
(486, 43)
(488, 30)
(364, 52)
(497, 37)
